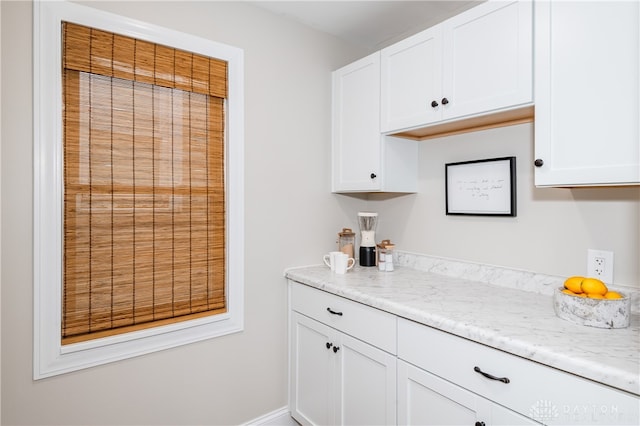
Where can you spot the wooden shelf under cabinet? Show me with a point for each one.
(473, 124)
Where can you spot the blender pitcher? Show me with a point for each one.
(367, 222)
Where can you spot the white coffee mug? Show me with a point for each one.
(343, 263)
(330, 259)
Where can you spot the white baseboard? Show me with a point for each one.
(280, 417)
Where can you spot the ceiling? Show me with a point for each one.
(370, 24)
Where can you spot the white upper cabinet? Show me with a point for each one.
(363, 160)
(587, 93)
(475, 63)
(356, 125)
(488, 59)
(411, 75)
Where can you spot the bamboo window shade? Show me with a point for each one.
(144, 184)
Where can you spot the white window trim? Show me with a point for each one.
(50, 358)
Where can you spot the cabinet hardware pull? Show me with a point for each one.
(480, 424)
(489, 376)
(373, 176)
(334, 312)
(329, 345)
(538, 162)
(434, 104)
(445, 101)
(336, 349)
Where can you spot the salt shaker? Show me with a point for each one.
(381, 257)
(385, 256)
(388, 257)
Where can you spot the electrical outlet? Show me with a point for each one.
(600, 265)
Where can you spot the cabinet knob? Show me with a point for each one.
(329, 345)
(373, 176)
(445, 101)
(538, 162)
(479, 423)
(434, 104)
(336, 349)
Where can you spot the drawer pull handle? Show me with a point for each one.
(334, 312)
(489, 376)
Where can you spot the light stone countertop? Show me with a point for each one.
(515, 320)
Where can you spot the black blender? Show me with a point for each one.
(367, 222)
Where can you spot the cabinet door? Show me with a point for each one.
(312, 366)
(587, 93)
(411, 77)
(488, 59)
(367, 386)
(426, 399)
(501, 416)
(356, 126)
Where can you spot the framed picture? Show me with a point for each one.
(481, 187)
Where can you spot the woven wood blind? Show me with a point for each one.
(144, 184)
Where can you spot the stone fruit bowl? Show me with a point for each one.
(601, 313)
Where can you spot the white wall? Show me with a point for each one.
(552, 231)
(291, 219)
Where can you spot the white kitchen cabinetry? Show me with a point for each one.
(476, 63)
(363, 160)
(335, 377)
(587, 93)
(426, 399)
(411, 77)
(344, 356)
(534, 391)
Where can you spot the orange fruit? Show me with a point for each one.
(581, 294)
(593, 286)
(573, 284)
(612, 295)
(567, 291)
(595, 296)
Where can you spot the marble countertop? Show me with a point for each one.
(519, 322)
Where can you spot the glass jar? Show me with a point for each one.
(347, 242)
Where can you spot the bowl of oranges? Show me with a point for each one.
(588, 301)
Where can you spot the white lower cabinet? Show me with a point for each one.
(312, 363)
(351, 364)
(426, 399)
(337, 379)
(483, 381)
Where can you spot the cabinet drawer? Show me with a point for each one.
(543, 393)
(363, 322)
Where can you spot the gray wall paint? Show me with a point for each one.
(553, 229)
(291, 219)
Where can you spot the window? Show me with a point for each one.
(138, 188)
